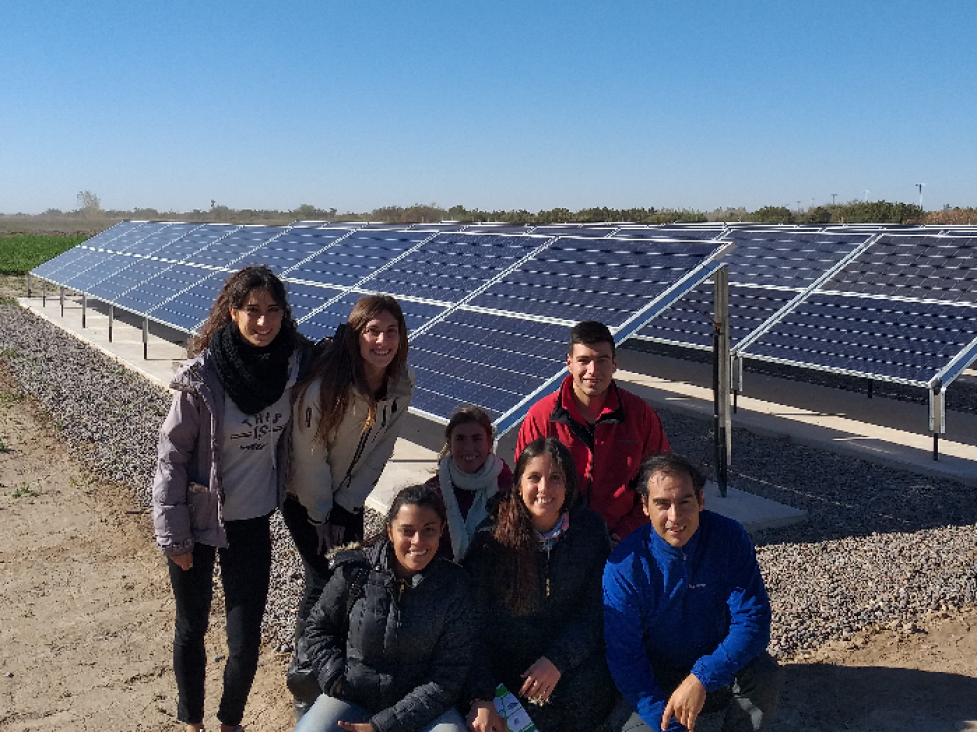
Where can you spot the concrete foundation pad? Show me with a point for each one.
(754, 512)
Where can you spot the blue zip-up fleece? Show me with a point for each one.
(700, 608)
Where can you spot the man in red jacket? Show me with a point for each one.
(607, 429)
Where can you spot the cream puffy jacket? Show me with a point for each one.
(345, 469)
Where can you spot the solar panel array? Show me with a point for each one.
(488, 313)
(488, 306)
(903, 309)
(767, 269)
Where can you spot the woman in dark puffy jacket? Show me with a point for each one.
(537, 576)
(390, 639)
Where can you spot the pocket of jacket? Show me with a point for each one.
(200, 500)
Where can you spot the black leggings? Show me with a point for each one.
(245, 572)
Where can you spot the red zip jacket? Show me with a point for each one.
(627, 431)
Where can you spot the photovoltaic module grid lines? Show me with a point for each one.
(901, 310)
(593, 279)
(895, 340)
(489, 361)
(354, 257)
(917, 267)
(766, 270)
(450, 267)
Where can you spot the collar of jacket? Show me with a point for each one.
(565, 411)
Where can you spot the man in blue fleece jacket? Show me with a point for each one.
(686, 615)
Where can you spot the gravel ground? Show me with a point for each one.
(882, 548)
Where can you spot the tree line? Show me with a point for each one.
(854, 212)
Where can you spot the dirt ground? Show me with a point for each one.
(86, 622)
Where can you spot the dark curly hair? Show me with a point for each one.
(233, 295)
(516, 575)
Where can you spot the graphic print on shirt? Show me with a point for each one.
(257, 431)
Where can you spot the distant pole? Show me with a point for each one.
(833, 198)
(920, 187)
(867, 191)
(798, 207)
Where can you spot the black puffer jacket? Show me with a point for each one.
(567, 627)
(404, 650)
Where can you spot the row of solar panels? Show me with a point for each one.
(488, 307)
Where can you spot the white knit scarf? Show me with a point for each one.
(484, 482)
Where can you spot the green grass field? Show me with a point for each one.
(21, 253)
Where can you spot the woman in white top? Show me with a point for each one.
(347, 414)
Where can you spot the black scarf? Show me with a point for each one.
(253, 377)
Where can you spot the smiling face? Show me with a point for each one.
(673, 507)
(470, 446)
(414, 533)
(379, 341)
(260, 317)
(543, 488)
(592, 368)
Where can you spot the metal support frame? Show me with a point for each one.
(737, 378)
(871, 388)
(43, 293)
(28, 284)
(145, 339)
(62, 300)
(937, 416)
(84, 310)
(111, 320)
(722, 428)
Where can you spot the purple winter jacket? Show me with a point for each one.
(189, 453)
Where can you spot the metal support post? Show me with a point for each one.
(43, 293)
(937, 416)
(145, 338)
(721, 377)
(62, 301)
(871, 387)
(28, 284)
(737, 379)
(84, 310)
(111, 320)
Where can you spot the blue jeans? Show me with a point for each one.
(245, 573)
(329, 710)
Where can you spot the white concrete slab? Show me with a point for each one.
(754, 512)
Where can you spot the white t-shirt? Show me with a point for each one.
(249, 469)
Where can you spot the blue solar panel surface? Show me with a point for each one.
(484, 360)
(873, 337)
(355, 257)
(588, 279)
(448, 267)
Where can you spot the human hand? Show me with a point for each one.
(356, 726)
(685, 703)
(484, 717)
(183, 561)
(540, 679)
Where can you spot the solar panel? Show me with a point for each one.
(449, 267)
(767, 268)
(902, 341)
(489, 361)
(355, 257)
(577, 279)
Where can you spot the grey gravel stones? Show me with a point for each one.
(882, 548)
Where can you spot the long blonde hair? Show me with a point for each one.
(340, 366)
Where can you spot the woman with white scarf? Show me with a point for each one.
(471, 479)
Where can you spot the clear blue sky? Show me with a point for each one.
(510, 104)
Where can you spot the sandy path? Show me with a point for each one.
(86, 612)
